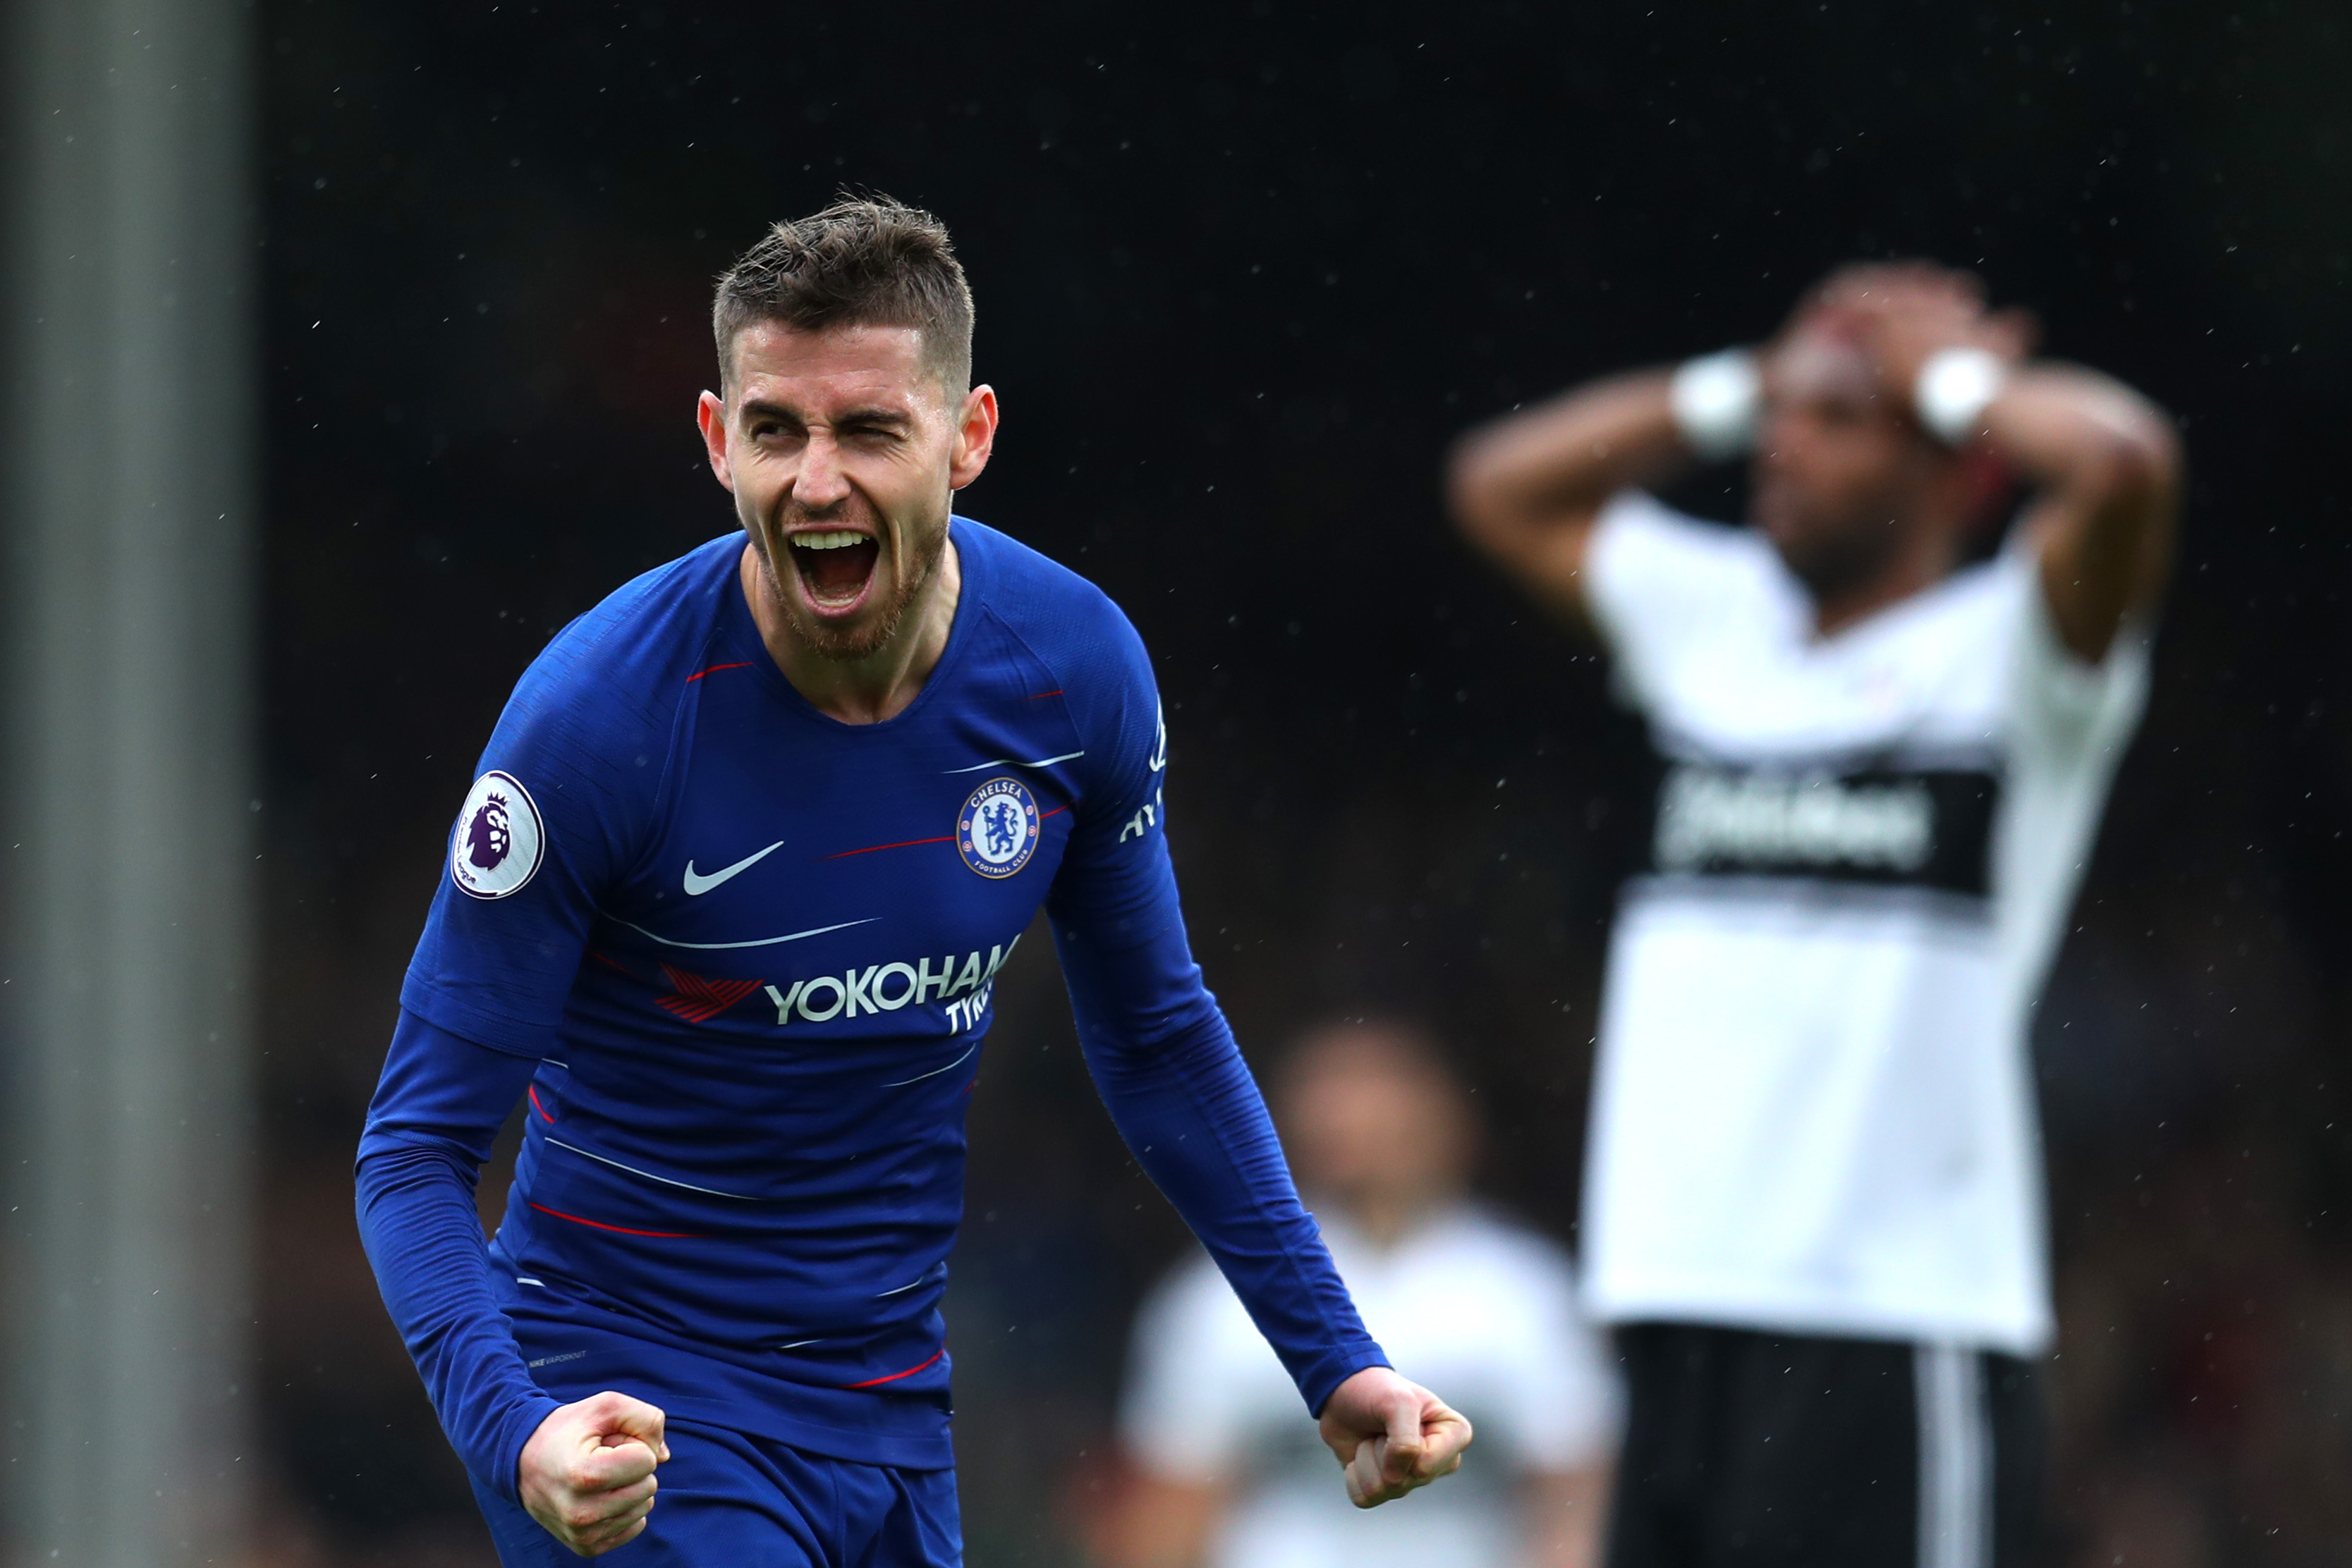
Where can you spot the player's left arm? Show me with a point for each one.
(2106, 462)
(1166, 1065)
(2102, 459)
(1564, 1511)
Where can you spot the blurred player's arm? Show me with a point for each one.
(1157, 1523)
(1527, 488)
(1564, 1511)
(2104, 461)
(1166, 1066)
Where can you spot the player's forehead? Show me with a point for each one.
(1819, 366)
(833, 368)
(1363, 1057)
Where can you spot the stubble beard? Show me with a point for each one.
(871, 633)
(1834, 556)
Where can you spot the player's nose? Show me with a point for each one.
(820, 481)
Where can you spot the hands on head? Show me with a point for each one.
(1391, 1436)
(1903, 312)
(587, 1474)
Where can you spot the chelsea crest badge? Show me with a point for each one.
(996, 831)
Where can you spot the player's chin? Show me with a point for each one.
(845, 633)
(1777, 516)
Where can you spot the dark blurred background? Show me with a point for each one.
(1243, 273)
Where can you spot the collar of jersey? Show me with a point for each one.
(743, 633)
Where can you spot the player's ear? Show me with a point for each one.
(975, 437)
(711, 416)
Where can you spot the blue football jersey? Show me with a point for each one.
(744, 954)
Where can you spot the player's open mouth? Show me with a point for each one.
(835, 566)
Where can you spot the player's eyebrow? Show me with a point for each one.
(762, 408)
(751, 408)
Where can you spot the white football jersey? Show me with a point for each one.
(1480, 1311)
(1813, 1107)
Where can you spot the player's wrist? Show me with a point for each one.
(1953, 389)
(1717, 401)
(520, 1430)
(1333, 1372)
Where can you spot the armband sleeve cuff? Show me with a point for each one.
(1718, 401)
(1954, 388)
(514, 1436)
(1321, 1378)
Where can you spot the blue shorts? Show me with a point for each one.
(726, 1499)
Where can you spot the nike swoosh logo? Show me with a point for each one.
(696, 886)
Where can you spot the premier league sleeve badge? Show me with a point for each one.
(996, 830)
(496, 845)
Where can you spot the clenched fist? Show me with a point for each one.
(1391, 1436)
(587, 1474)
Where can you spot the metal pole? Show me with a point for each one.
(129, 503)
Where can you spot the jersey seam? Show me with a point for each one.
(439, 993)
(684, 719)
(1061, 699)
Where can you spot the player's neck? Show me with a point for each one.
(880, 685)
(1388, 1219)
(1929, 560)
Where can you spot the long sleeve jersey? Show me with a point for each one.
(736, 958)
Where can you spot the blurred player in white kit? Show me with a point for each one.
(1383, 1137)
(1812, 1201)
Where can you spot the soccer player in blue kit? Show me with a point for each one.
(723, 911)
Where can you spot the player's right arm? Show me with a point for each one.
(1527, 488)
(482, 1004)
(584, 1470)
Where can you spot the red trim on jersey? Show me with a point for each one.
(739, 664)
(659, 1234)
(698, 999)
(533, 1093)
(1040, 696)
(894, 1377)
(909, 843)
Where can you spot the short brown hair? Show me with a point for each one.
(865, 261)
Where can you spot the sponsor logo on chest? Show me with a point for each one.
(964, 987)
(1927, 828)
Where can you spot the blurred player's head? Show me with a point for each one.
(845, 419)
(1375, 1121)
(1847, 483)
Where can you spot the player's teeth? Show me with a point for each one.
(841, 540)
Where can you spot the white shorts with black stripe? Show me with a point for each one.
(1745, 1449)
